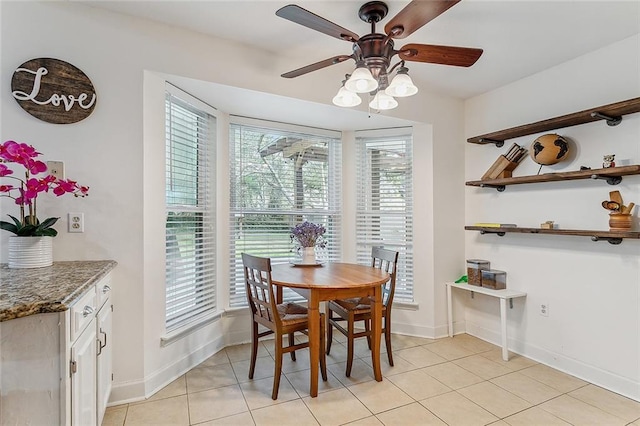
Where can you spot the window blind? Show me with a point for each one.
(190, 220)
(280, 178)
(384, 205)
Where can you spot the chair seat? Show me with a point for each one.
(292, 313)
(359, 305)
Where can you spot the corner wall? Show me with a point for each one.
(592, 288)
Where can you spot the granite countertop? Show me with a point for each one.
(25, 292)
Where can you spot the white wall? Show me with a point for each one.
(118, 152)
(592, 288)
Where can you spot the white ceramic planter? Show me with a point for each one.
(30, 252)
(308, 255)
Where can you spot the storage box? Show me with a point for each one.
(474, 270)
(494, 279)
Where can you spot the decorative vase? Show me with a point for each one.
(30, 252)
(308, 255)
(620, 221)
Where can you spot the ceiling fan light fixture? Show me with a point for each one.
(381, 101)
(346, 98)
(361, 81)
(401, 86)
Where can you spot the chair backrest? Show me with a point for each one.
(260, 291)
(386, 260)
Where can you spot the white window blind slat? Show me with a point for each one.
(280, 177)
(384, 206)
(190, 213)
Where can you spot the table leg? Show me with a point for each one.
(376, 331)
(503, 326)
(449, 311)
(314, 341)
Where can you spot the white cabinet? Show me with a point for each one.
(56, 368)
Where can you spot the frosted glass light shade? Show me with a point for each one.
(383, 101)
(361, 81)
(345, 98)
(401, 86)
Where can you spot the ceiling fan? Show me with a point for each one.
(373, 52)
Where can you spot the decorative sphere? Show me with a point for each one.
(549, 149)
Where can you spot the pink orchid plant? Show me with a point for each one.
(25, 191)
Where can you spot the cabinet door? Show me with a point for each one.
(83, 377)
(104, 361)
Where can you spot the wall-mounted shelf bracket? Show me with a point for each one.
(611, 240)
(497, 143)
(499, 188)
(611, 121)
(499, 233)
(611, 180)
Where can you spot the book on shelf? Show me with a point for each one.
(495, 225)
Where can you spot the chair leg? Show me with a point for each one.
(292, 342)
(367, 328)
(387, 340)
(323, 356)
(350, 340)
(329, 329)
(278, 370)
(254, 348)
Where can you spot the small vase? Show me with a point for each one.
(308, 255)
(620, 221)
(30, 252)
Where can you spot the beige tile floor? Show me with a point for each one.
(451, 381)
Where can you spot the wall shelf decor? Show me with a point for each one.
(612, 175)
(613, 237)
(612, 113)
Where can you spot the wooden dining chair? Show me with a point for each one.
(358, 309)
(279, 318)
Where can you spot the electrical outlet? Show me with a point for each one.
(544, 309)
(56, 168)
(75, 222)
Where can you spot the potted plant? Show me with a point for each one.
(308, 236)
(36, 249)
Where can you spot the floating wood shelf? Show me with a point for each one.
(613, 237)
(613, 176)
(612, 113)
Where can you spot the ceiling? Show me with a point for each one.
(519, 38)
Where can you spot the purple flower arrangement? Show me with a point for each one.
(308, 234)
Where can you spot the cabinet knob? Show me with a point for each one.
(106, 289)
(88, 310)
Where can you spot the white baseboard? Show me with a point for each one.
(606, 379)
(127, 392)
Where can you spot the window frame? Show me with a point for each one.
(204, 298)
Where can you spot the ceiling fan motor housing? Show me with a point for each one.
(375, 51)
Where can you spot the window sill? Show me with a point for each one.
(196, 324)
(407, 306)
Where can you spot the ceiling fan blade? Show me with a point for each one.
(415, 15)
(445, 55)
(310, 20)
(316, 66)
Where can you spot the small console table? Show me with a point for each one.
(503, 295)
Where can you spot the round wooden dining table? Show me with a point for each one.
(331, 281)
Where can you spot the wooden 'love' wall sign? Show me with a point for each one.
(53, 91)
